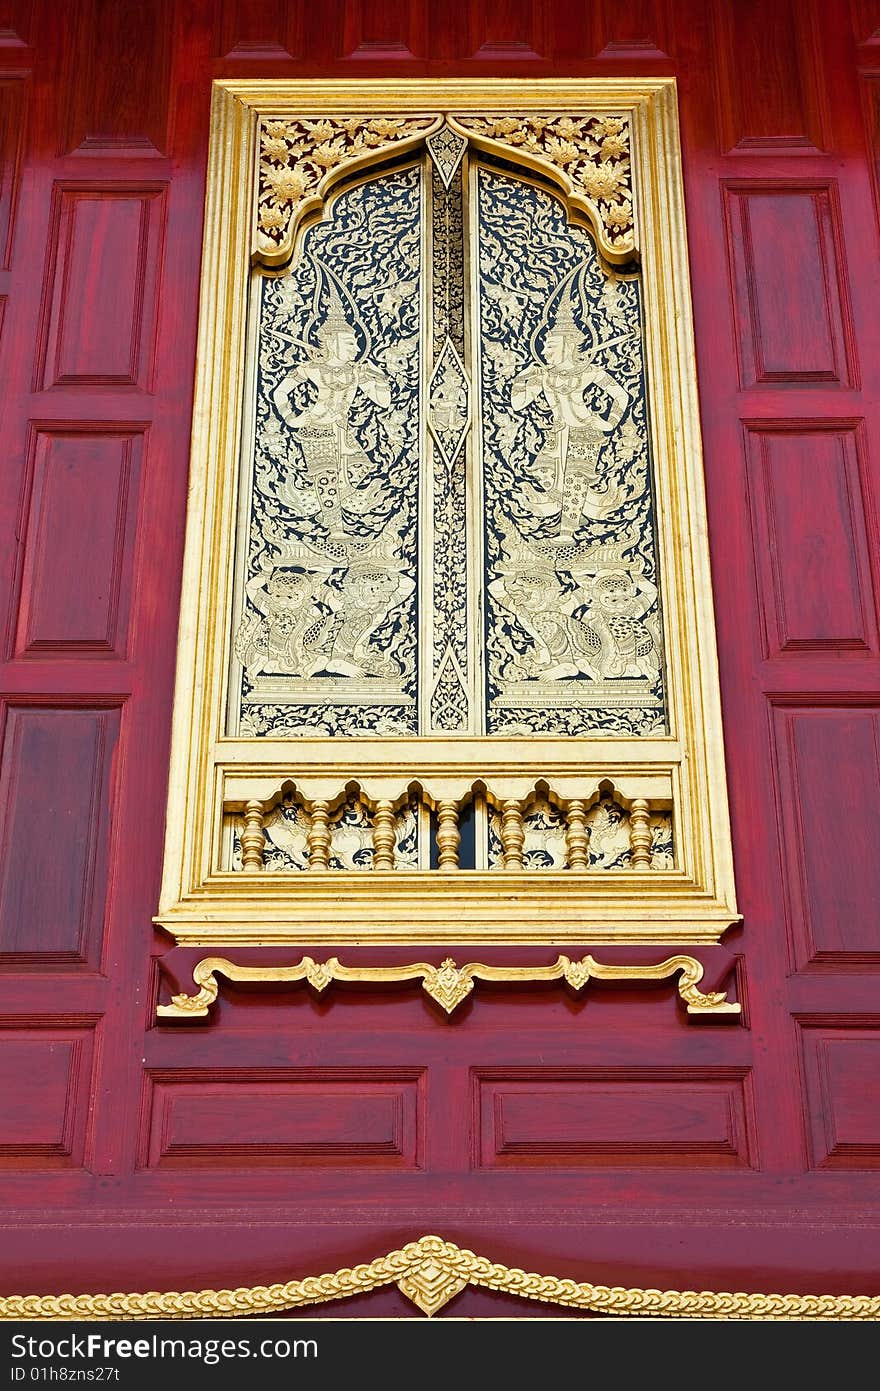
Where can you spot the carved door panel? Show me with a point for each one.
(600, 1135)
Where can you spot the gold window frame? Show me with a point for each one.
(213, 776)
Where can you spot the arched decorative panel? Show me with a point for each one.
(445, 605)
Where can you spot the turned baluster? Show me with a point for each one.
(318, 838)
(513, 835)
(640, 838)
(384, 835)
(448, 835)
(252, 837)
(576, 835)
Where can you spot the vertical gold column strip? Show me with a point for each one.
(640, 834)
(448, 835)
(513, 836)
(576, 836)
(384, 838)
(252, 838)
(318, 837)
(474, 443)
(426, 618)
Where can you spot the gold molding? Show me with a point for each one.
(448, 984)
(204, 904)
(430, 1272)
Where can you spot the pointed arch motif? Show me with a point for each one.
(302, 160)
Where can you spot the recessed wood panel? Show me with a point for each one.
(101, 287)
(770, 83)
(829, 792)
(789, 283)
(79, 543)
(508, 28)
(809, 532)
(572, 1117)
(13, 89)
(45, 1074)
(16, 17)
(277, 1118)
(865, 21)
(843, 1101)
(54, 818)
(118, 86)
(634, 32)
(260, 28)
(374, 29)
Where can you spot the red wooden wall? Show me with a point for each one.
(605, 1139)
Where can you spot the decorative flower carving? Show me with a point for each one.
(297, 154)
(448, 985)
(592, 151)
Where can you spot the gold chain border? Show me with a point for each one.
(430, 1272)
(448, 984)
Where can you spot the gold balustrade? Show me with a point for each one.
(509, 827)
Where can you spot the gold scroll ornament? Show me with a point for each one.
(430, 1272)
(447, 983)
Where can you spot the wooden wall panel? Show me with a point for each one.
(865, 21)
(76, 581)
(770, 80)
(16, 18)
(45, 1075)
(13, 91)
(102, 282)
(630, 33)
(118, 78)
(260, 29)
(508, 29)
(791, 301)
(577, 1117)
(829, 792)
(660, 1123)
(275, 1118)
(843, 1105)
(373, 29)
(812, 552)
(54, 821)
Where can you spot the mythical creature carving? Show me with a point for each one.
(357, 356)
(328, 622)
(573, 637)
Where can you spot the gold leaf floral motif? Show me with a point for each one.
(430, 1285)
(577, 973)
(319, 974)
(196, 1004)
(592, 151)
(297, 155)
(448, 985)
